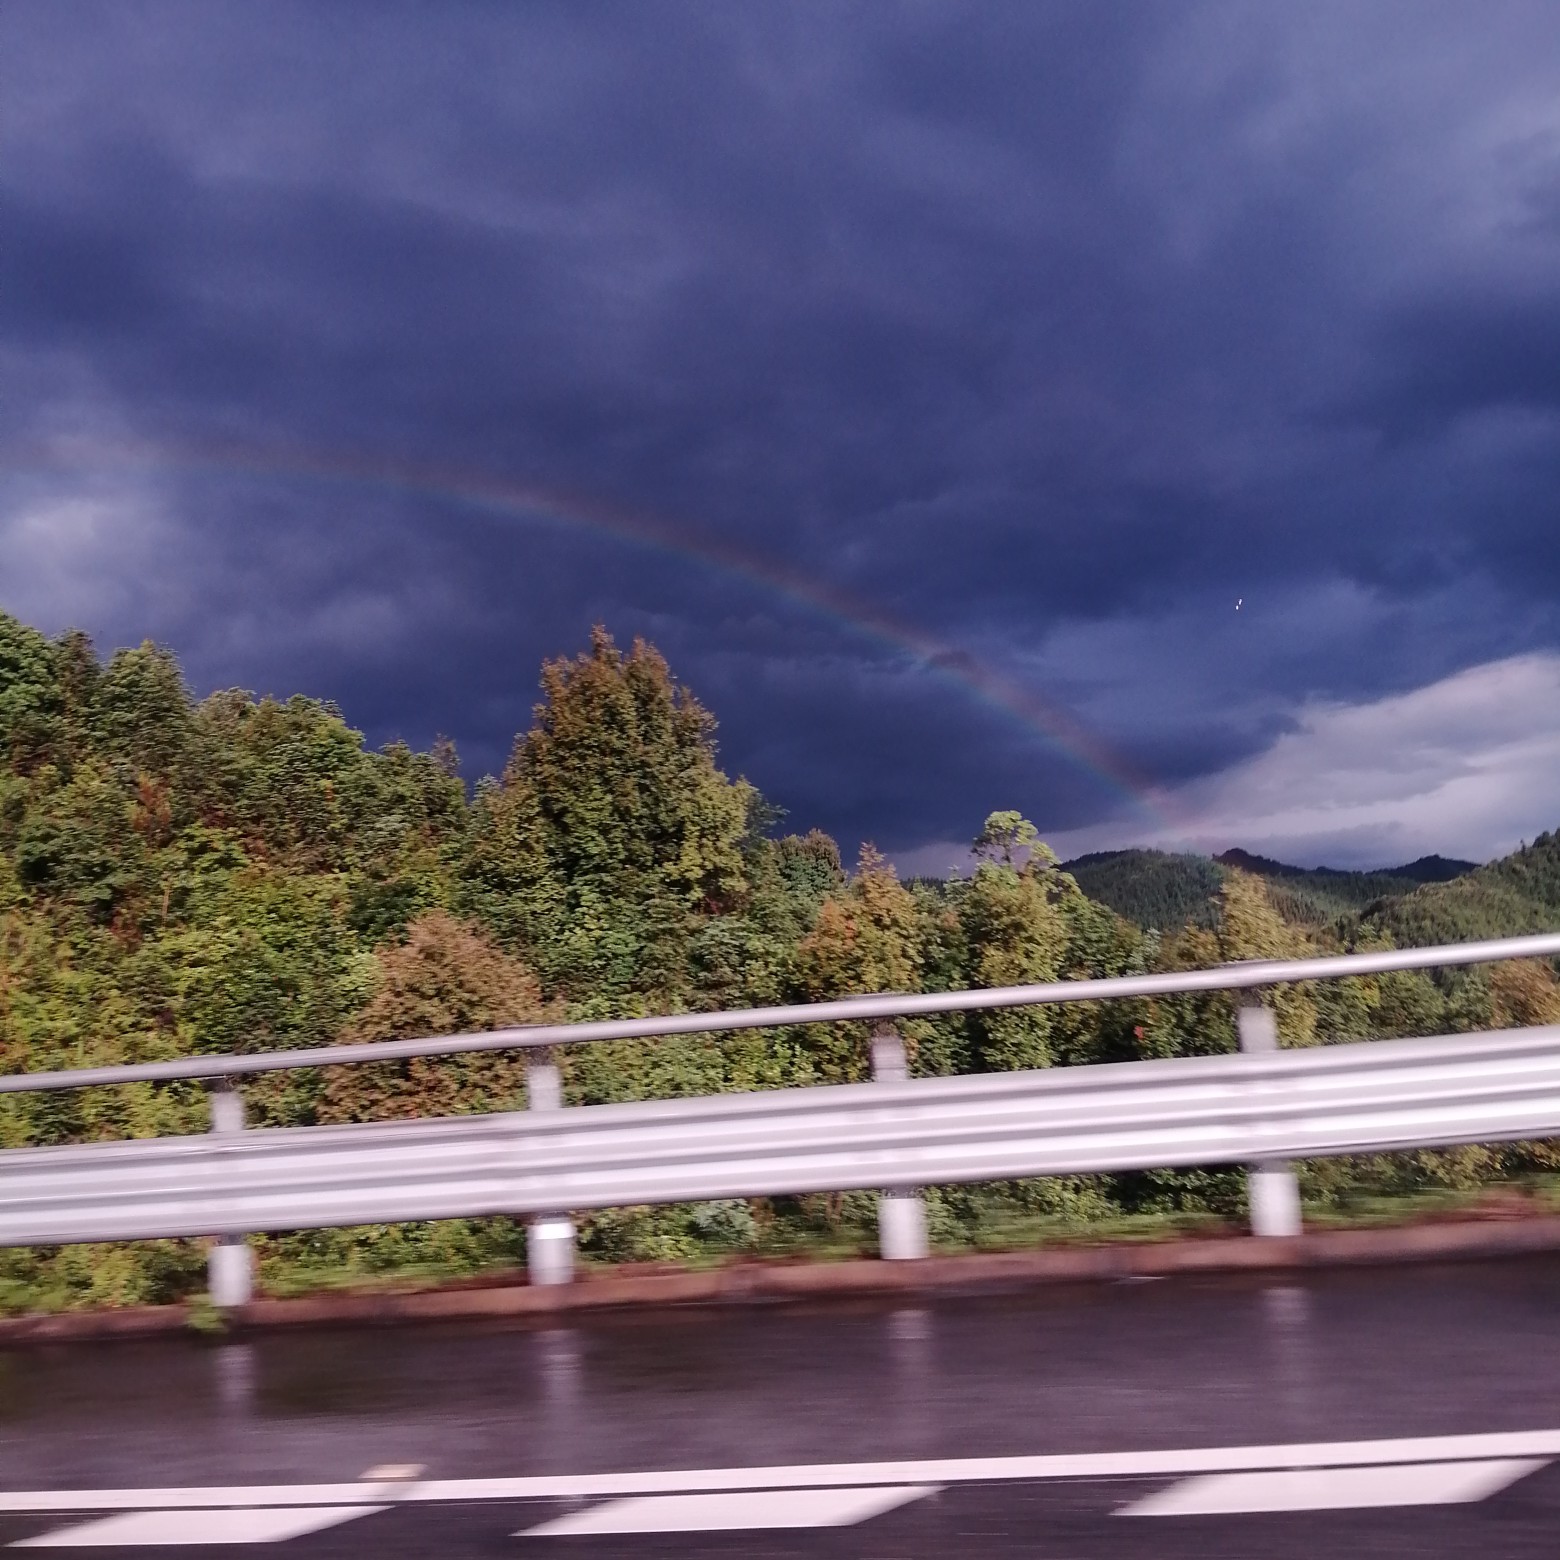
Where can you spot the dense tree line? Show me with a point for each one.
(242, 874)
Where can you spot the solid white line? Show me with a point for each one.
(1333, 1489)
(963, 1470)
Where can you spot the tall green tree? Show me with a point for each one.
(867, 939)
(31, 699)
(1015, 935)
(612, 830)
(445, 977)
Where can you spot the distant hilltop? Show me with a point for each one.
(1166, 891)
(1428, 869)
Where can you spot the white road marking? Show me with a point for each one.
(247, 1525)
(731, 1510)
(1333, 1489)
(963, 1470)
(390, 1481)
(391, 1473)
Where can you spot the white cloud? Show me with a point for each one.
(1468, 766)
(81, 559)
(123, 556)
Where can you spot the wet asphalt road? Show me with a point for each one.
(1175, 1364)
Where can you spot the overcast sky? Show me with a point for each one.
(929, 381)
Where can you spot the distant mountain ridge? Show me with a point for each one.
(1166, 891)
(1503, 898)
(1427, 869)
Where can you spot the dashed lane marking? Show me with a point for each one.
(244, 1525)
(1333, 1489)
(240, 1524)
(731, 1511)
(392, 1473)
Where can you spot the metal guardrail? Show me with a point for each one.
(1363, 1097)
(1225, 977)
(1263, 1107)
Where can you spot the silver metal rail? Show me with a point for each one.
(1364, 1097)
(1224, 977)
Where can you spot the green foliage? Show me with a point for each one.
(31, 702)
(1154, 889)
(1151, 888)
(242, 874)
(866, 939)
(1519, 893)
(1009, 839)
(1015, 935)
(140, 717)
(445, 978)
(78, 841)
(612, 830)
(1317, 896)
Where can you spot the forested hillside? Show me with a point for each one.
(233, 873)
(1155, 889)
(1152, 888)
(1518, 893)
(1318, 895)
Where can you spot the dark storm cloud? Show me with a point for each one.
(1046, 332)
(1448, 358)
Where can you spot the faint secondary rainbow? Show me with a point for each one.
(1055, 725)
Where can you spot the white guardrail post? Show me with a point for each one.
(230, 1264)
(1272, 1192)
(549, 1237)
(901, 1212)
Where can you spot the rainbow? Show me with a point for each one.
(486, 493)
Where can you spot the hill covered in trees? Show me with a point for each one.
(1317, 895)
(1157, 889)
(1153, 889)
(236, 873)
(1518, 893)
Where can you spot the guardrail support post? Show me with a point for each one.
(230, 1264)
(549, 1238)
(1272, 1192)
(901, 1212)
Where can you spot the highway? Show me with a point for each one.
(1393, 1412)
